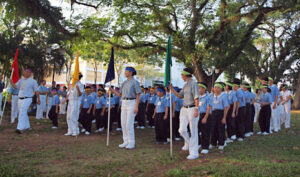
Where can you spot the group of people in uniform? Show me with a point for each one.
(205, 119)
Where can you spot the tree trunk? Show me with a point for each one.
(95, 70)
(296, 103)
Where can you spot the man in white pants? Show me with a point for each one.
(286, 103)
(74, 97)
(189, 113)
(275, 118)
(14, 104)
(2, 85)
(27, 86)
(130, 92)
(43, 90)
(49, 98)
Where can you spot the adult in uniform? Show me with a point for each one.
(43, 90)
(27, 86)
(2, 85)
(286, 103)
(189, 114)
(275, 118)
(14, 103)
(130, 93)
(74, 97)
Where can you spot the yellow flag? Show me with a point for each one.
(76, 71)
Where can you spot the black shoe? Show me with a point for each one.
(18, 131)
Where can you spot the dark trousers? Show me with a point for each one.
(99, 119)
(252, 114)
(230, 122)
(264, 118)
(53, 116)
(217, 128)
(247, 119)
(106, 119)
(240, 122)
(167, 125)
(150, 112)
(176, 125)
(141, 114)
(113, 113)
(85, 119)
(160, 134)
(205, 132)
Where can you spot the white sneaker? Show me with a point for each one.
(101, 129)
(153, 127)
(135, 122)
(142, 127)
(123, 145)
(168, 140)
(240, 139)
(221, 147)
(119, 129)
(247, 135)
(54, 127)
(192, 157)
(233, 137)
(265, 133)
(258, 133)
(68, 134)
(185, 148)
(251, 133)
(211, 147)
(94, 121)
(82, 130)
(204, 151)
(130, 147)
(87, 133)
(138, 127)
(177, 139)
(229, 140)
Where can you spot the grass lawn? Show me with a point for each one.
(46, 152)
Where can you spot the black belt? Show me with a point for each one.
(15, 94)
(128, 98)
(190, 106)
(22, 98)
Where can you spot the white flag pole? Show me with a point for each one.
(171, 121)
(12, 71)
(108, 116)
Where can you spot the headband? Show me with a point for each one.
(270, 78)
(130, 69)
(185, 73)
(219, 85)
(229, 84)
(284, 86)
(202, 85)
(264, 86)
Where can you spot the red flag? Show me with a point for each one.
(15, 75)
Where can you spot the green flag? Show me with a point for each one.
(168, 62)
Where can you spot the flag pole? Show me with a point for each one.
(108, 116)
(171, 121)
(12, 71)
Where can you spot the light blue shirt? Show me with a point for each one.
(167, 97)
(14, 91)
(274, 92)
(130, 88)
(178, 104)
(55, 100)
(161, 104)
(241, 97)
(43, 88)
(100, 102)
(143, 98)
(266, 98)
(204, 102)
(112, 102)
(86, 101)
(220, 102)
(231, 97)
(117, 99)
(247, 97)
(252, 96)
(152, 99)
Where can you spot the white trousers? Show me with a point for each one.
(280, 113)
(127, 121)
(23, 119)
(14, 108)
(49, 105)
(1, 96)
(187, 118)
(275, 119)
(287, 114)
(72, 116)
(62, 106)
(41, 107)
(257, 109)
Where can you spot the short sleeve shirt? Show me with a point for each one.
(130, 88)
(27, 87)
(189, 92)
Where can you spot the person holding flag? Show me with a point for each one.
(189, 114)
(27, 87)
(74, 97)
(129, 92)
